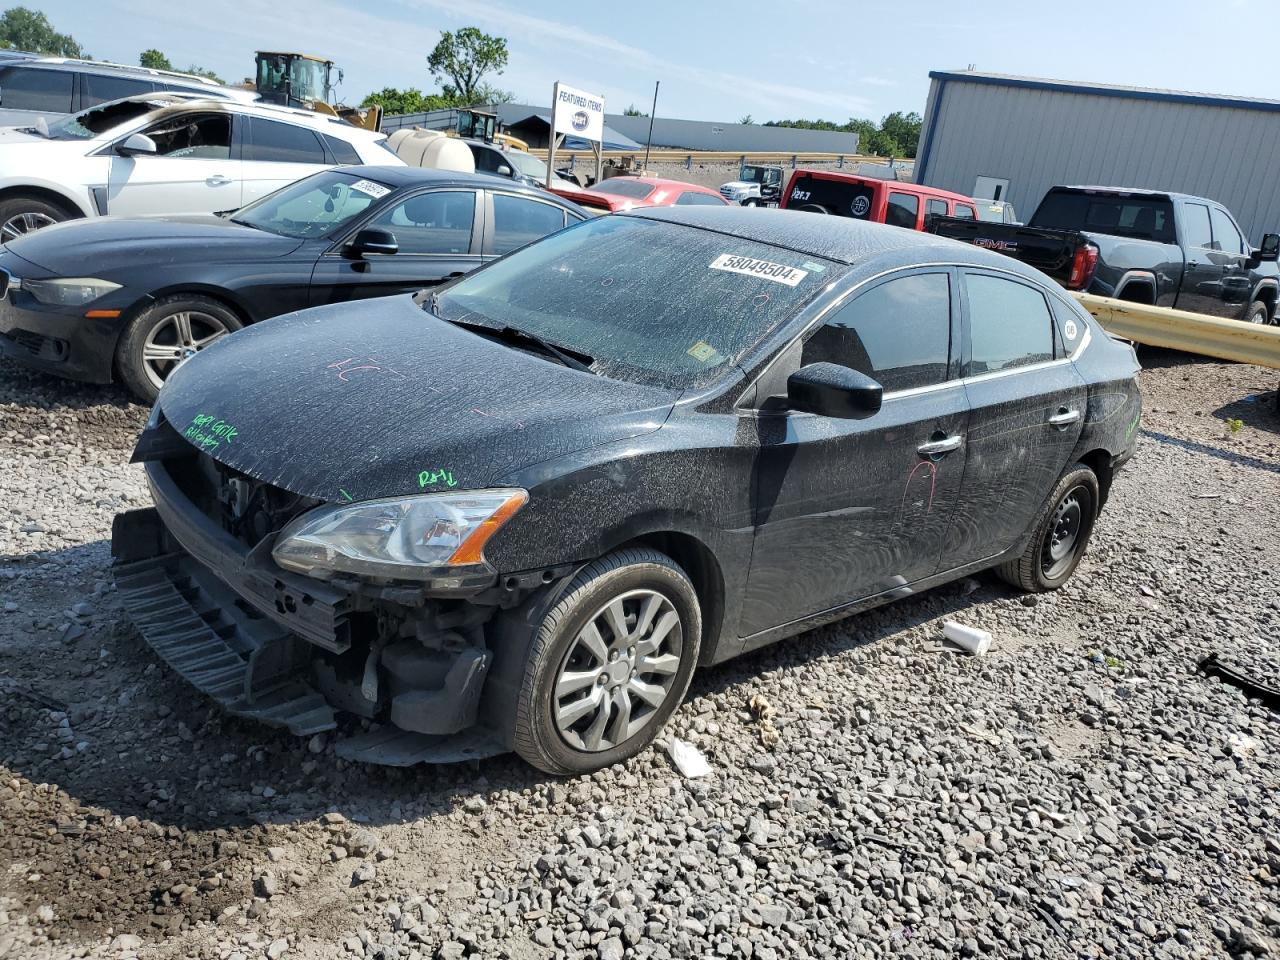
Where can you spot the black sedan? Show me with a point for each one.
(517, 513)
(130, 299)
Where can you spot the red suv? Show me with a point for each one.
(866, 198)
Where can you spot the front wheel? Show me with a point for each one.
(166, 334)
(24, 214)
(1257, 313)
(1060, 535)
(751, 203)
(609, 664)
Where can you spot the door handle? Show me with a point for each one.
(935, 447)
(1064, 417)
(218, 180)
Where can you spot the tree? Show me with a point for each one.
(905, 129)
(396, 103)
(633, 111)
(896, 135)
(25, 29)
(154, 60)
(746, 120)
(460, 61)
(487, 94)
(202, 72)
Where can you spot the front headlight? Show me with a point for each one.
(404, 538)
(69, 291)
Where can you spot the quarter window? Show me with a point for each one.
(517, 221)
(898, 333)
(1195, 226)
(432, 222)
(964, 212)
(193, 136)
(23, 89)
(1225, 235)
(99, 89)
(902, 210)
(1009, 325)
(342, 151)
(282, 143)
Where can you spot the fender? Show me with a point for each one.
(16, 185)
(1144, 276)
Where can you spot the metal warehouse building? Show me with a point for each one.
(986, 132)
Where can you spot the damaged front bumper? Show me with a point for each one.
(290, 650)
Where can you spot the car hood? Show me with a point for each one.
(95, 247)
(740, 185)
(17, 136)
(382, 399)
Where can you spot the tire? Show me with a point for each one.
(22, 214)
(1258, 312)
(1042, 567)
(155, 343)
(751, 203)
(582, 730)
(813, 208)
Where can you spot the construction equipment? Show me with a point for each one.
(301, 80)
(466, 123)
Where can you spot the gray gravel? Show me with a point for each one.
(1077, 792)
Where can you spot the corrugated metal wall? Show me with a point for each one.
(1036, 138)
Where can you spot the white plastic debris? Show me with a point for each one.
(688, 758)
(976, 641)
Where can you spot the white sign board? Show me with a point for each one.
(577, 113)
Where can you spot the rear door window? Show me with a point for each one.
(898, 333)
(519, 220)
(1010, 325)
(282, 143)
(964, 212)
(1195, 226)
(902, 210)
(99, 89)
(26, 89)
(938, 207)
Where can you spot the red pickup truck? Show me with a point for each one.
(866, 198)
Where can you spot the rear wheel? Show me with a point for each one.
(1060, 536)
(1258, 312)
(609, 664)
(23, 214)
(167, 333)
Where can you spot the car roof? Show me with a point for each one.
(1137, 192)
(904, 186)
(174, 99)
(397, 177)
(107, 68)
(841, 239)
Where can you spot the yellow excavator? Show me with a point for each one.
(301, 80)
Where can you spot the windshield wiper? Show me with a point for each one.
(574, 359)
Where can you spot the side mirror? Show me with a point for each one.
(1270, 249)
(366, 242)
(504, 170)
(136, 144)
(830, 390)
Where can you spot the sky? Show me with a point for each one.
(716, 61)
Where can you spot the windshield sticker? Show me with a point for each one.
(208, 432)
(375, 190)
(777, 272)
(813, 267)
(429, 478)
(346, 497)
(705, 352)
(1069, 328)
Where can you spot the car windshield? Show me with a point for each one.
(632, 187)
(656, 303)
(314, 207)
(527, 165)
(98, 120)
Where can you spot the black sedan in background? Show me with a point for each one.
(519, 512)
(130, 299)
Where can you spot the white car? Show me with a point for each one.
(168, 153)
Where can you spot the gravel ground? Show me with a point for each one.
(1077, 792)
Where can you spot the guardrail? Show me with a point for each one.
(687, 157)
(1183, 330)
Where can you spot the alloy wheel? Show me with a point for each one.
(24, 223)
(1063, 535)
(177, 338)
(618, 671)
